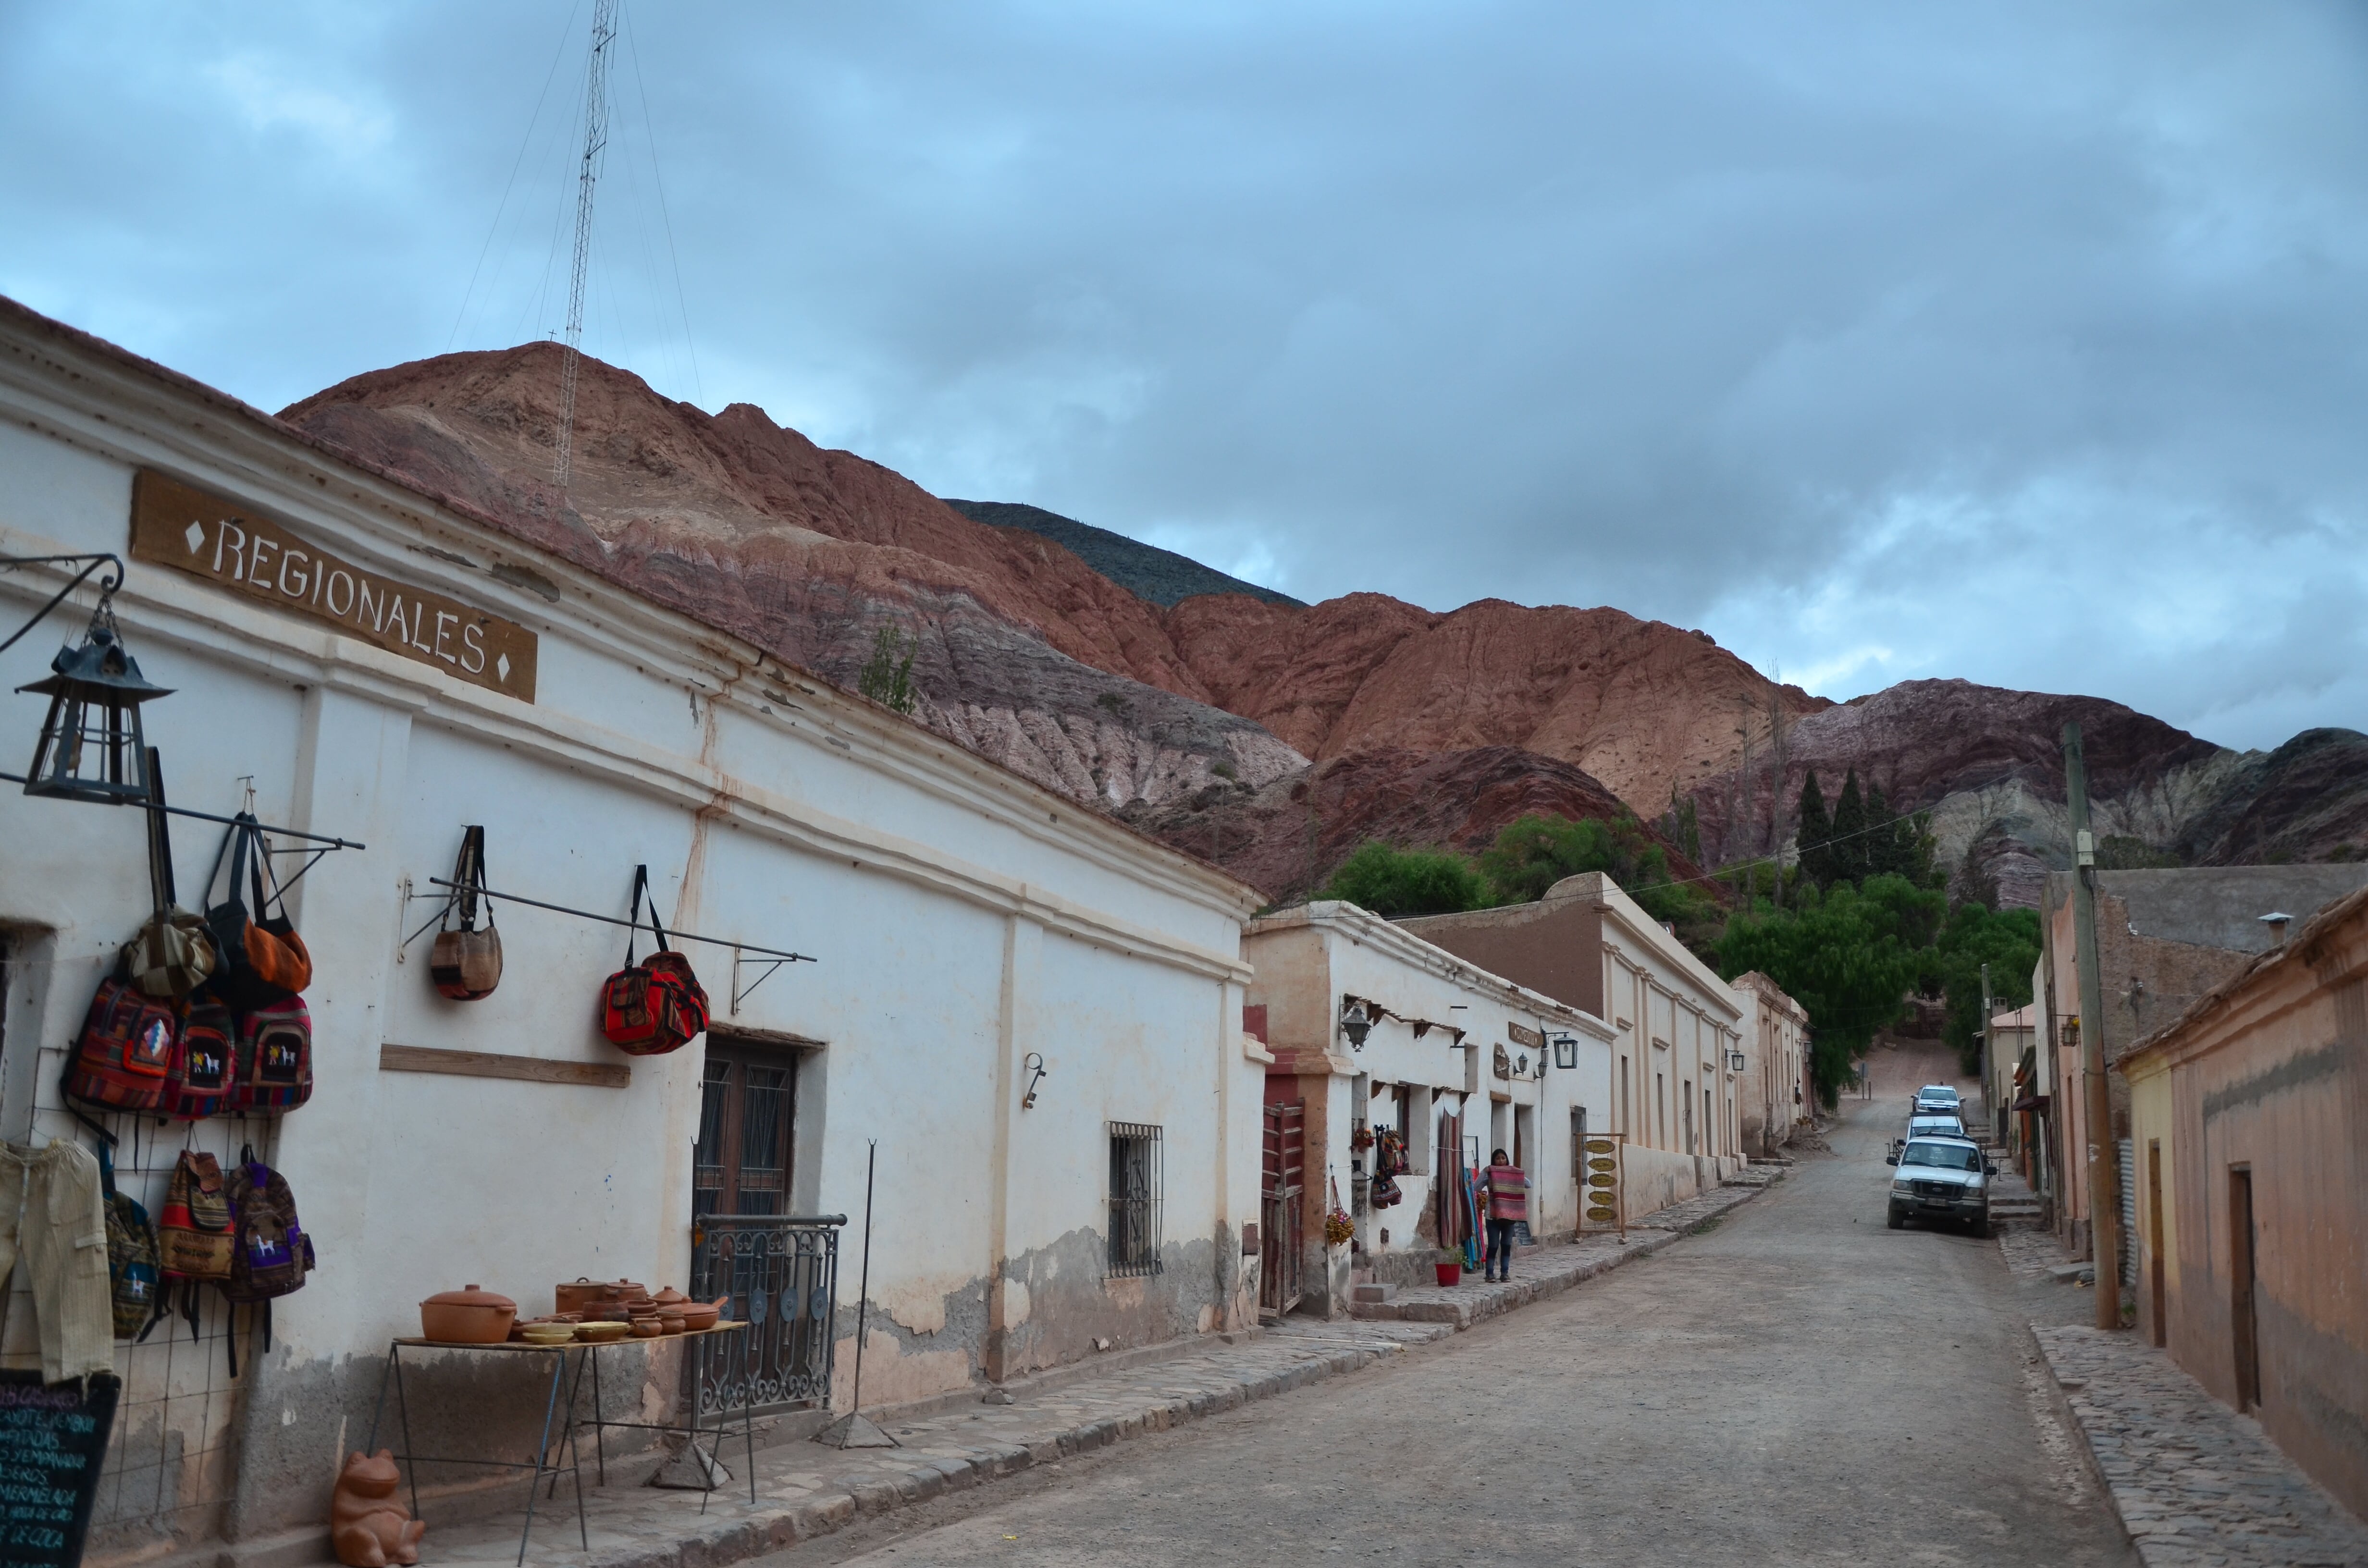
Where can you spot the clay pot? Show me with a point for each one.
(583, 1295)
(647, 1328)
(700, 1315)
(670, 1322)
(467, 1316)
(670, 1300)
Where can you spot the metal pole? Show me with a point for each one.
(1989, 1065)
(863, 1287)
(2104, 1173)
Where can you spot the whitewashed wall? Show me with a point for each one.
(962, 918)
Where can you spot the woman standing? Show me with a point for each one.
(1508, 1186)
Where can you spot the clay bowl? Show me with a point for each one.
(695, 1318)
(647, 1328)
(602, 1333)
(467, 1316)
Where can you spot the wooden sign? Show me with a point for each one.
(190, 530)
(1524, 1035)
(52, 1444)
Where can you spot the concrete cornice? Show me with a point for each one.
(95, 396)
(1358, 925)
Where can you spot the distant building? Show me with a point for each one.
(2164, 938)
(1386, 1047)
(1681, 1060)
(2250, 1116)
(1776, 1032)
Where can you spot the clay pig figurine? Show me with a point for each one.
(368, 1527)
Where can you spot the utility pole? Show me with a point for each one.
(2103, 1172)
(1989, 1067)
(595, 139)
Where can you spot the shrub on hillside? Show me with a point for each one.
(1394, 883)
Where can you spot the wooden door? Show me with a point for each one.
(746, 1118)
(2243, 1324)
(1283, 1200)
(2154, 1237)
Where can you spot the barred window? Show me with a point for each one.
(1135, 1187)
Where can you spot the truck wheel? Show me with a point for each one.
(1980, 1228)
(1892, 1219)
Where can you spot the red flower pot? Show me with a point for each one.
(1449, 1272)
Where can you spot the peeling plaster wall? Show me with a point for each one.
(962, 918)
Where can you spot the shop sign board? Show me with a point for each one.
(191, 530)
(52, 1445)
(1523, 1035)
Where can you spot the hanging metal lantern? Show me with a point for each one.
(91, 746)
(1355, 1023)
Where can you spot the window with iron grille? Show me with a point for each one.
(1134, 1178)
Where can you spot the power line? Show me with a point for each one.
(596, 140)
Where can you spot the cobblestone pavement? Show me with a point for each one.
(2195, 1482)
(806, 1490)
(1797, 1385)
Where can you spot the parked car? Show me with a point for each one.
(1936, 1124)
(1941, 1178)
(1935, 1099)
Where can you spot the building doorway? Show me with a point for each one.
(2244, 1325)
(1282, 1196)
(2154, 1239)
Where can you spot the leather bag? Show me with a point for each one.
(657, 1006)
(466, 964)
(263, 958)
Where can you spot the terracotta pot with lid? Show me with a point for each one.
(671, 1300)
(471, 1315)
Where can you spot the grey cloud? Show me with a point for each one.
(1808, 324)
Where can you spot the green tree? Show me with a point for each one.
(1815, 833)
(2007, 940)
(1392, 883)
(1850, 955)
(1534, 852)
(887, 676)
(1846, 848)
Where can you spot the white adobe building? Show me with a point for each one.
(1373, 1029)
(967, 926)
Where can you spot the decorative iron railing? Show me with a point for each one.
(781, 1273)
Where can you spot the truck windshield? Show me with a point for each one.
(1947, 1156)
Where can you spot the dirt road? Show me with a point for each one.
(1798, 1385)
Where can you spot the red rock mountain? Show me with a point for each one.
(1274, 737)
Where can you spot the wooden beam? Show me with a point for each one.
(487, 1064)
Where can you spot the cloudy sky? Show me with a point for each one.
(2023, 342)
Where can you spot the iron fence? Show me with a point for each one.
(782, 1274)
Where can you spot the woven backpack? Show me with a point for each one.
(193, 1231)
(126, 1043)
(270, 1253)
(135, 1291)
(656, 1006)
(198, 1077)
(272, 1072)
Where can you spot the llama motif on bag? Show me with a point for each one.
(272, 1072)
(270, 1253)
(135, 1292)
(198, 1078)
(126, 1044)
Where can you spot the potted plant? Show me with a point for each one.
(1450, 1270)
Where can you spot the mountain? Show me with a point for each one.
(1157, 577)
(1273, 736)
(1286, 837)
(1023, 653)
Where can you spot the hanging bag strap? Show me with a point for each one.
(160, 839)
(656, 926)
(258, 869)
(634, 913)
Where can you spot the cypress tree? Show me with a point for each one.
(1817, 863)
(1849, 836)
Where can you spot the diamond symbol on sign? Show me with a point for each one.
(502, 667)
(196, 535)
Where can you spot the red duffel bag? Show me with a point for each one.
(656, 1006)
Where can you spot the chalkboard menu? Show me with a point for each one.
(52, 1442)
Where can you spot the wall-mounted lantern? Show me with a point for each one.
(91, 746)
(1565, 1050)
(1355, 1023)
(1734, 1062)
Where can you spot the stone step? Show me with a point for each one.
(1371, 1293)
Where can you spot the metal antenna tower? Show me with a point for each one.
(595, 139)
